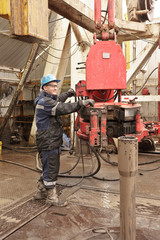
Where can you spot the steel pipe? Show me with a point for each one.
(127, 166)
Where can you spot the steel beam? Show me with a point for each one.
(83, 16)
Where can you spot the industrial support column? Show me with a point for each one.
(127, 166)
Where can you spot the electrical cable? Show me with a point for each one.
(48, 61)
(116, 164)
(68, 171)
(87, 37)
(146, 80)
(20, 165)
(64, 36)
(106, 11)
(55, 20)
(145, 163)
(75, 50)
(112, 163)
(88, 175)
(103, 93)
(80, 156)
(20, 149)
(106, 179)
(151, 42)
(57, 63)
(108, 161)
(73, 166)
(60, 49)
(106, 100)
(148, 170)
(135, 57)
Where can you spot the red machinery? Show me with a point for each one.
(105, 78)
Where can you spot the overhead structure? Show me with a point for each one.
(32, 27)
(27, 20)
(140, 10)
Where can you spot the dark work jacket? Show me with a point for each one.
(48, 110)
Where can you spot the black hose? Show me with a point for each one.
(139, 164)
(106, 179)
(107, 161)
(20, 165)
(88, 175)
(148, 170)
(30, 149)
(106, 100)
(145, 163)
(68, 171)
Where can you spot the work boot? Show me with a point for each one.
(52, 198)
(41, 192)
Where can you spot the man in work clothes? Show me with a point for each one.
(49, 108)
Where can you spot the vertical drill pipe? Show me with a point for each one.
(127, 166)
(97, 12)
(111, 18)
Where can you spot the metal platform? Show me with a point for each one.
(93, 206)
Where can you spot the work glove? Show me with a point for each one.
(86, 102)
(71, 92)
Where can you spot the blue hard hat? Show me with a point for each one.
(48, 78)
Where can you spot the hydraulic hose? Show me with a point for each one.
(68, 171)
(116, 164)
(106, 179)
(107, 161)
(88, 175)
(21, 165)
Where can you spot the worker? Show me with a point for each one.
(49, 108)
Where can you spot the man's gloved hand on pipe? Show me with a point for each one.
(71, 92)
(86, 102)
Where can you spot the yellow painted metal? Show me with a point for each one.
(5, 8)
(29, 19)
(127, 49)
(127, 54)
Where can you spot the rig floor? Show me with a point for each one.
(93, 205)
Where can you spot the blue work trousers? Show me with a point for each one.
(50, 165)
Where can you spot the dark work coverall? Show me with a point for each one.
(49, 133)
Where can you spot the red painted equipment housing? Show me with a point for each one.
(105, 67)
(105, 78)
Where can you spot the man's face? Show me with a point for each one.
(51, 88)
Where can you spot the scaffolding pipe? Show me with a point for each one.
(127, 166)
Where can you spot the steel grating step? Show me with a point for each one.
(19, 215)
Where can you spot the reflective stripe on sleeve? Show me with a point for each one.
(54, 109)
(39, 106)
